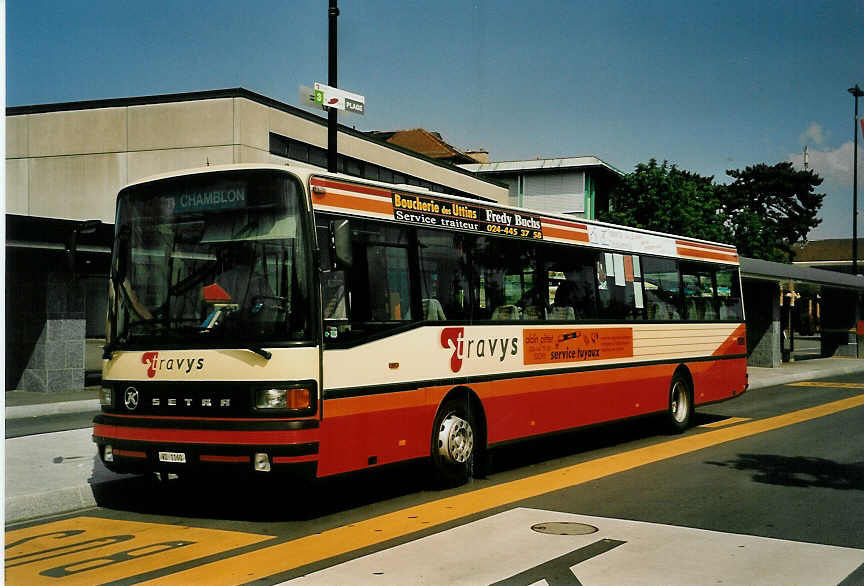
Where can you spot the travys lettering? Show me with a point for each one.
(468, 348)
(154, 364)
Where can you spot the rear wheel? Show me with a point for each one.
(453, 444)
(680, 410)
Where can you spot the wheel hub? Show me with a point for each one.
(455, 439)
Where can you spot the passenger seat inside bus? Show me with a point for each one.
(507, 312)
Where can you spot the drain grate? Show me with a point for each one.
(564, 528)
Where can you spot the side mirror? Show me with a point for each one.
(340, 244)
(86, 227)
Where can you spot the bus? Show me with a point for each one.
(266, 318)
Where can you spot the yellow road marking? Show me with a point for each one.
(89, 550)
(827, 384)
(726, 422)
(306, 550)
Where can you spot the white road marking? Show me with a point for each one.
(504, 549)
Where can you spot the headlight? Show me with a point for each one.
(283, 399)
(106, 397)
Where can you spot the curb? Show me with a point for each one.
(53, 502)
(770, 379)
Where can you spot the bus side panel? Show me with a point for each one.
(361, 432)
(718, 380)
(522, 407)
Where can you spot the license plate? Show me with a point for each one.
(172, 457)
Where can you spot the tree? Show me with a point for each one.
(666, 199)
(770, 208)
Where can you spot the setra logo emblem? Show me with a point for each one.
(131, 398)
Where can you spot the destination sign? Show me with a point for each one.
(210, 199)
(432, 211)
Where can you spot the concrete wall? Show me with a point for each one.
(762, 312)
(71, 164)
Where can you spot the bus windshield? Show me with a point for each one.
(218, 259)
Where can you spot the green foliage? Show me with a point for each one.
(770, 208)
(764, 211)
(666, 199)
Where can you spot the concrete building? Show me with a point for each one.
(578, 186)
(66, 162)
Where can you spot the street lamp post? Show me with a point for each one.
(857, 93)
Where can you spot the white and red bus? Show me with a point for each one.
(281, 318)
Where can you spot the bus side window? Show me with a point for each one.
(662, 288)
(571, 283)
(508, 283)
(729, 294)
(699, 291)
(443, 275)
(619, 284)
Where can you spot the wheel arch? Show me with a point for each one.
(475, 406)
(684, 372)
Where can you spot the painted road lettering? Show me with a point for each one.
(90, 550)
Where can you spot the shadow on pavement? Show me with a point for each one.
(799, 471)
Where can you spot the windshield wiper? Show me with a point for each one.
(259, 351)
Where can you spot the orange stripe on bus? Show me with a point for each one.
(729, 257)
(564, 234)
(351, 187)
(352, 203)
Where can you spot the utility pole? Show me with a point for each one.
(332, 124)
(856, 93)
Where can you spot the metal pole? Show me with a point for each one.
(332, 130)
(857, 93)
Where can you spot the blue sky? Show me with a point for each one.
(707, 85)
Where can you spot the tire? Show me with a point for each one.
(680, 410)
(454, 444)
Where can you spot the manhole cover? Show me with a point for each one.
(563, 528)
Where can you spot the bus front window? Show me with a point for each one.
(214, 259)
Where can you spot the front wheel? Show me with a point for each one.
(680, 410)
(453, 444)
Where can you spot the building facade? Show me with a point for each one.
(578, 186)
(66, 162)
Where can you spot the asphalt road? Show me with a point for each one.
(768, 488)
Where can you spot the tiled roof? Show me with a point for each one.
(833, 249)
(424, 142)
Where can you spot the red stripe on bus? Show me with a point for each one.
(730, 257)
(351, 187)
(729, 249)
(292, 459)
(352, 203)
(129, 453)
(197, 436)
(563, 223)
(564, 234)
(212, 458)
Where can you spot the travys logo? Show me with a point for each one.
(468, 348)
(185, 365)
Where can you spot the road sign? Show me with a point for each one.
(332, 97)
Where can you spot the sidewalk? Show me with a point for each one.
(56, 473)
